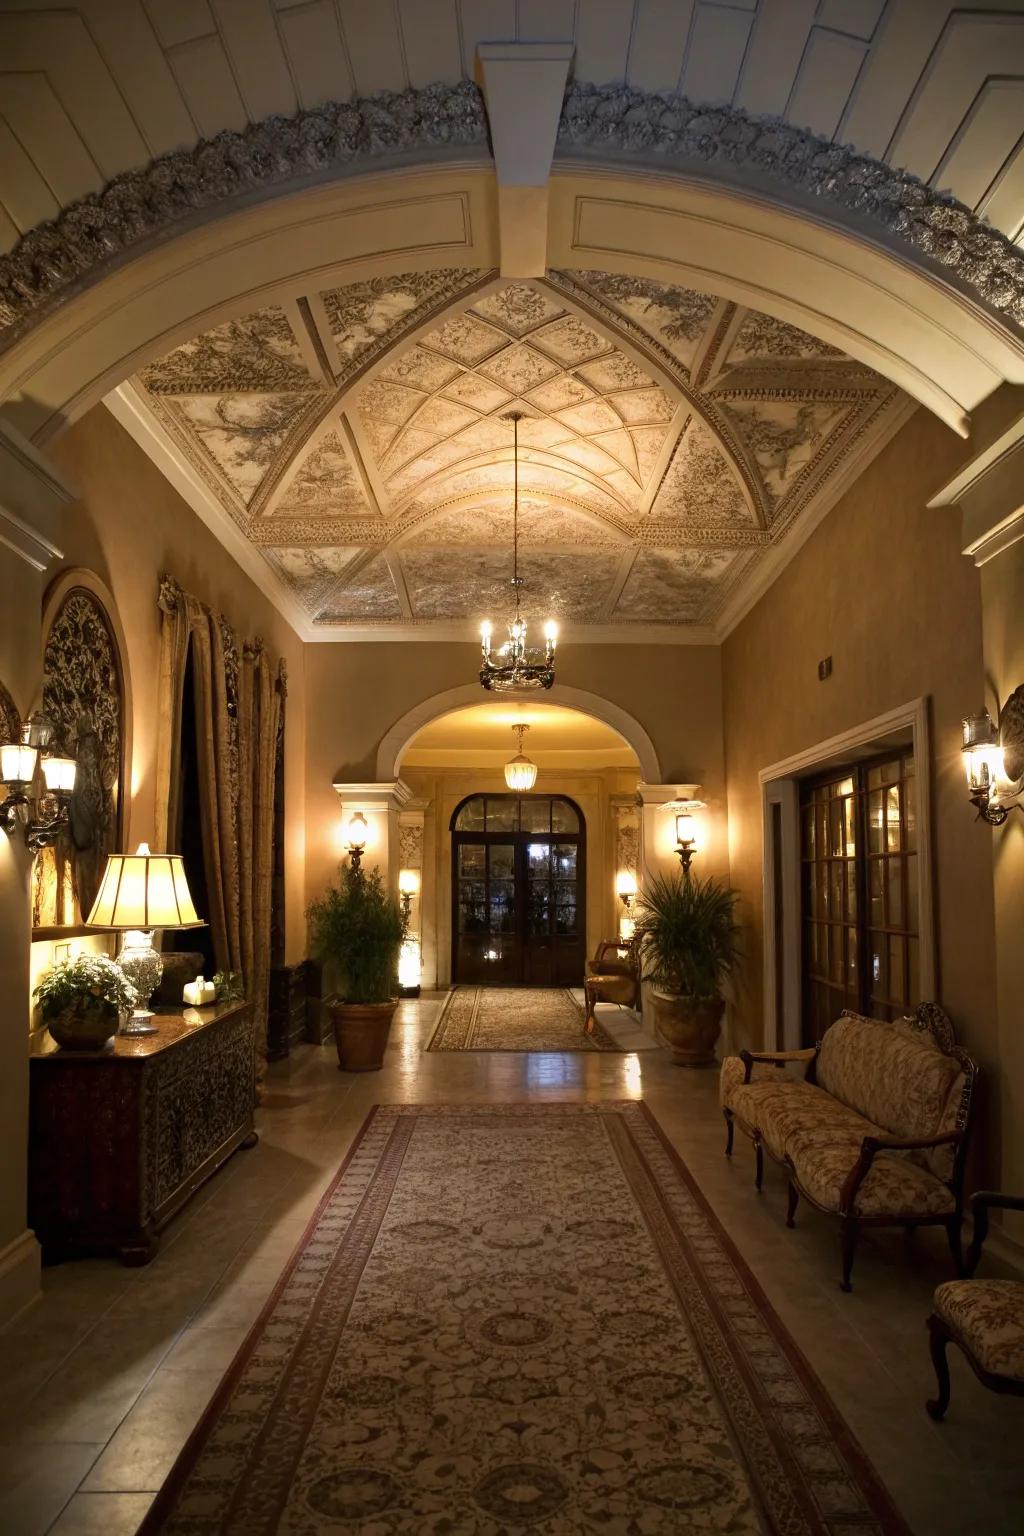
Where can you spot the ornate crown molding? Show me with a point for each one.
(90, 235)
(905, 208)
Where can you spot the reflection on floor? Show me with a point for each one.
(101, 1382)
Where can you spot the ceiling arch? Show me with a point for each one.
(359, 438)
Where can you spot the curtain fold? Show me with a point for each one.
(237, 702)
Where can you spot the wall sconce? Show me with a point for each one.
(408, 885)
(357, 829)
(625, 888)
(42, 812)
(686, 833)
(994, 760)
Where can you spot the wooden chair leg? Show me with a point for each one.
(848, 1244)
(938, 1339)
(955, 1246)
(794, 1198)
(758, 1166)
(729, 1129)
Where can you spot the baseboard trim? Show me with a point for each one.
(20, 1266)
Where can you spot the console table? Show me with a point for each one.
(119, 1140)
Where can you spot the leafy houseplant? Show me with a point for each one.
(82, 1000)
(357, 927)
(688, 943)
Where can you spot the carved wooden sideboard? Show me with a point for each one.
(119, 1141)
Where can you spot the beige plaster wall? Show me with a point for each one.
(356, 692)
(128, 527)
(1002, 588)
(881, 587)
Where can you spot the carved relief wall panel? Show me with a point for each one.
(83, 697)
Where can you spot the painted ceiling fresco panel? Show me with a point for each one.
(256, 352)
(673, 586)
(364, 315)
(518, 368)
(614, 371)
(590, 416)
(764, 336)
(465, 338)
(481, 394)
(566, 586)
(571, 341)
(369, 594)
(519, 307)
(675, 317)
(306, 570)
(643, 406)
(243, 434)
(420, 369)
(783, 436)
(488, 522)
(700, 486)
(325, 485)
(560, 393)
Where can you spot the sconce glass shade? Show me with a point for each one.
(144, 890)
(408, 881)
(982, 754)
(686, 830)
(625, 883)
(357, 830)
(410, 965)
(59, 773)
(17, 763)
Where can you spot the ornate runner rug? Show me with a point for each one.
(515, 1019)
(519, 1318)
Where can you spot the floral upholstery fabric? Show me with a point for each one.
(731, 1076)
(988, 1315)
(895, 1076)
(784, 1112)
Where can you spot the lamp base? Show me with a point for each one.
(140, 1022)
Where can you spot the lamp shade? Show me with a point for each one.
(17, 763)
(144, 890)
(686, 829)
(60, 773)
(408, 881)
(358, 827)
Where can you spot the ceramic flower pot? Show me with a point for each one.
(689, 1026)
(81, 1028)
(361, 1034)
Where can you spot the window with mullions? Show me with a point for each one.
(859, 892)
(516, 813)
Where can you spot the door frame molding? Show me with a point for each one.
(780, 785)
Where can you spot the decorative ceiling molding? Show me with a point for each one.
(281, 154)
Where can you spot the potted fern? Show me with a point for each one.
(356, 928)
(83, 1000)
(688, 943)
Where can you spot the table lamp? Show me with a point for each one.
(139, 892)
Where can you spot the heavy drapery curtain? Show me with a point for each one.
(238, 695)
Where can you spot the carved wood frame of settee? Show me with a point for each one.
(930, 1019)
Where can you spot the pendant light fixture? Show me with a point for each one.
(520, 773)
(515, 665)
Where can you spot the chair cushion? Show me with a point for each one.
(988, 1315)
(786, 1111)
(730, 1078)
(896, 1076)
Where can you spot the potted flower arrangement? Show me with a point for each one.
(83, 1000)
(357, 928)
(688, 943)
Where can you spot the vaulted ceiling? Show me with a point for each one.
(670, 441)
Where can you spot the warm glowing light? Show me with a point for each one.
(408, 881)
(17, 763)
(627, 928)
(358, 829)
(144, 890)
(551, 632)
(59, 773)
(625, 883)
(520, 772)
(686, 830)
(410, 965)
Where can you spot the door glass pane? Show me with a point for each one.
(851, 891)
(564, 860)
(538, 860)
(538, 909)
(502, 858)
(471, 817)
(876, 840)
(835, 825)
(910, 808)
(897, 989)
(894, 875)
(501, 814)
(472, 859)
(875, 891)
(563, 817)
(892, 819)
(535, 813)
(565, 908)
(472, 907)
(503, 906)
(879, 966)
(911, 894)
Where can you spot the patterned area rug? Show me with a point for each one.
(515, 1019)
(519, 1318)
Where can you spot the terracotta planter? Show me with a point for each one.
(361, 1034)
(689, 1026)
(85, 1029)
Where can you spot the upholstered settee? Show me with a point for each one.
(871, 1124)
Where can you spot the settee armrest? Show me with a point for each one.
(775, 1059)
(872, 1145)
(983, 1201)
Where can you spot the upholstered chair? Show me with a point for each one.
(613, 976)
(984, 1317)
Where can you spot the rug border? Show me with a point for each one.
(518, 1050)
(186, 1459)
(888, 1512)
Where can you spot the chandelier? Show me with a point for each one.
(516, 665)
(520, 773)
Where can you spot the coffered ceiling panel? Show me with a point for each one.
(362, 439)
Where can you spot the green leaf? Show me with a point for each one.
(686, 934)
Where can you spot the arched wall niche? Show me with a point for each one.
(887, 308)
(397, 740)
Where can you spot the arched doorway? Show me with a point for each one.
(518, 891)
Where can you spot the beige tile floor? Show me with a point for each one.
(102, 1380)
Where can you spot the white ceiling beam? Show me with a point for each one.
(523, 86)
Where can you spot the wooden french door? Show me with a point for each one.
(518, 892)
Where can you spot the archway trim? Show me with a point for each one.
(394, 744)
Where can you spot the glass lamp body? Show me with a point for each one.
(142, 965)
